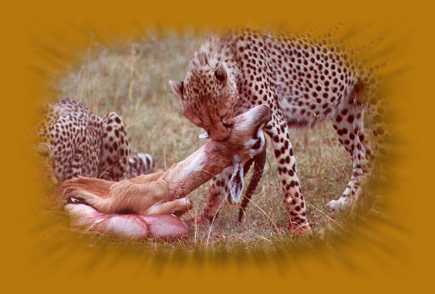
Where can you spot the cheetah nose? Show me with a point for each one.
(218, 132)
(228, 124)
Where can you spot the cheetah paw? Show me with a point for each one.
(340, 204)
(302, 230)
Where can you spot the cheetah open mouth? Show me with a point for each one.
(220, 131)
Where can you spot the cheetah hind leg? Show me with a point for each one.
(350, 129)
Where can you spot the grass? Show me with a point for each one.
(133, 81)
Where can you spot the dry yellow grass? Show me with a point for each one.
(133, 81)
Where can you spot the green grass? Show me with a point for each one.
(133, 81)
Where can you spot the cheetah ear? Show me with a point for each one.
(177, 88)
(220, 73)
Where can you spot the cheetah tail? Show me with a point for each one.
(367, 92)
(259, 163)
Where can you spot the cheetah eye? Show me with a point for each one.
(220, 74)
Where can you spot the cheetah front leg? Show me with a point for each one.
(293, 198)
(113, 161)
(217, 192)
(230, 183)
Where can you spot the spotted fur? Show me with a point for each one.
(80, 143)
(303, 83)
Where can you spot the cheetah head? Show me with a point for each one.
(208, 94)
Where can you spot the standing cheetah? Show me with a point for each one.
(301, 81)
(80, 143)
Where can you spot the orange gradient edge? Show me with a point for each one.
(32, 26)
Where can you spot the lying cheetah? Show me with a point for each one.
(80, 143)
(303, 82)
